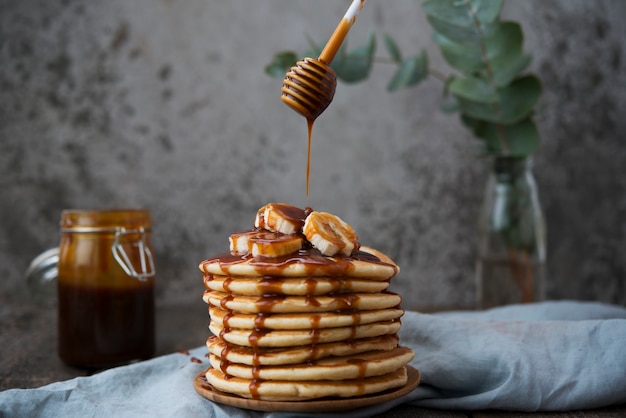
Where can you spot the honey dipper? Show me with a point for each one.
(309, 86)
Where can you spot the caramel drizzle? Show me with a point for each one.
(270, 288)
(312, 259)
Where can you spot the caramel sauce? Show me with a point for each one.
(308, 88)
(310, 258)
(259, 320)
(270, 237)
(226, 319)
(361, 364)
(315, 321)
(310, 284)
(101, 327)
(227, 283)
(105, 316)
(256, 335)
(309, 124)
(223, 332)
(293, 214)
(224, 302)
(312, 301)
(266, 303)
(270, 286)
(254, 388)
(206, 278)
(224, 366)
(224, 353)
(253, 339)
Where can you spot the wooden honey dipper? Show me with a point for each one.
(309, 86)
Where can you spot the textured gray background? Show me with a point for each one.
(163, 104)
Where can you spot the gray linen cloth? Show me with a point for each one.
(551, 356)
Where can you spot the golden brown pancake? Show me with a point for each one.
(301, 320)
(289, 338)
(297, 354)
(302, 304)
(293, 324)
(367, 263)
(296, 286)
(278, 390)
(355, 366)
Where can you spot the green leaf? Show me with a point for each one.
(281, 63)
(474, 89)
(462, 35)
(487, 10)
(463, 21)
(515, 102)
(505, 55)
(463, 12)
(467, 59)
(412, 70)
(519, 140)
(392, 48)
(507, 36)
(357, 63)
(453, 12)
(507, 67)
(503, 51)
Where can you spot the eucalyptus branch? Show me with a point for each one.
(493, 97)
(489, 75)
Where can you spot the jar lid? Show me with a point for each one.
(108, 220)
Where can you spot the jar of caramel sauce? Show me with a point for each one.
(105, 287)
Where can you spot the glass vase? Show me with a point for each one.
(510, 267)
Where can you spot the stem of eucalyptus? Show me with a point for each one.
(489, 74)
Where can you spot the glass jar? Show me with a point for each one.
(41, 277)
(105, 287)
(512, 237)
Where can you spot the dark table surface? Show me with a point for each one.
(28, 354)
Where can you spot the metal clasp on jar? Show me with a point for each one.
(146, 261)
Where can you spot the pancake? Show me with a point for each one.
(367, 263)
(301, 320)
(292, 324)
(297, 286)
(297, 354)
(288, 338)
(301, 304)
(277, 390)
(356, 366)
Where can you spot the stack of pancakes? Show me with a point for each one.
(303, 325)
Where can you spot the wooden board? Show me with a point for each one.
(320, 405)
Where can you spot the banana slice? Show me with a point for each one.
(280, 217)
(264, 243)
(274, 244)
(240, 243)
(330, 234)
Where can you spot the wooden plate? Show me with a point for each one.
(320, 405)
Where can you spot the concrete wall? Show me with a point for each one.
(163, 104)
